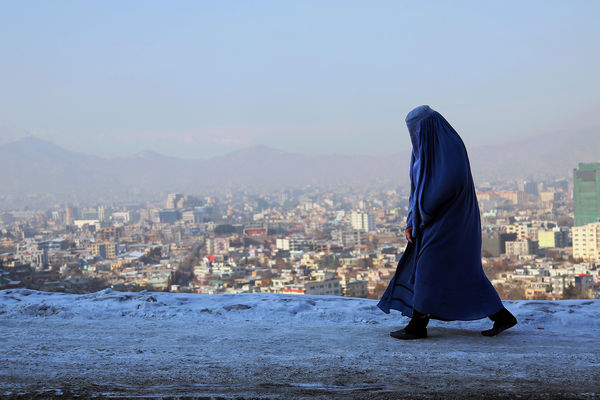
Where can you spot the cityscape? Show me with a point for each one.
(540, 240)
(299, 200)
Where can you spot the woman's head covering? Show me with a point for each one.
(412, 122)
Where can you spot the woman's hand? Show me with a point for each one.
(409, 235)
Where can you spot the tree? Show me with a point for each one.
(281, 264)
(571, 292)
(185, 271)
(378, 292)
(266, 279)
(224, 229)
(365, 263)
(510, 292)
(153, 256)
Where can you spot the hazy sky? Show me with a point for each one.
(201, 78)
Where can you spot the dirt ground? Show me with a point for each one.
(195, 362)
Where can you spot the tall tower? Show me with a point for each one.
(586, 193)
(71, 214)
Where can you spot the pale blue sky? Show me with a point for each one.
(200, 78)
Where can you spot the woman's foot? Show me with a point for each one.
(503, 320)
(416, 328)
(409, 334)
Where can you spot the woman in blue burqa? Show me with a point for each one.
(440, 274)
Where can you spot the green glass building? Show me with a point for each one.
(586, 193)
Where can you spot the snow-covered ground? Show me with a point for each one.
(115, 344)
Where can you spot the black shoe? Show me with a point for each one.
(502, 321)
(404, 334)
(416, 328)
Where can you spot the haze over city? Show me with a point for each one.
(198, 79)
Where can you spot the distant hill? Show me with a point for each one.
(548, 155)
(34, 166)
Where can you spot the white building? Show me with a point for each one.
(80, 223)
(121, 216)
(290, 243)
(317, 287)
(362, 221)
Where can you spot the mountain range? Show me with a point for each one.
(35, 166)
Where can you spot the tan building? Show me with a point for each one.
(355, 288)
(111, 249)
(523, 231)
(547, 199)
(111, 233)
(98, 249)
(535, 293)
(586, 242)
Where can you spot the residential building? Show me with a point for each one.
(521, 247)
(586, 242)
(355, 288)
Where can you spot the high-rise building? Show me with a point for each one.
(104, 213)
(362, 221)
(168, 216)
(71, 214)
(530, 187)
(174, 200)
(586, 193)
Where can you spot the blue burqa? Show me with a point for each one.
(440, 272)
